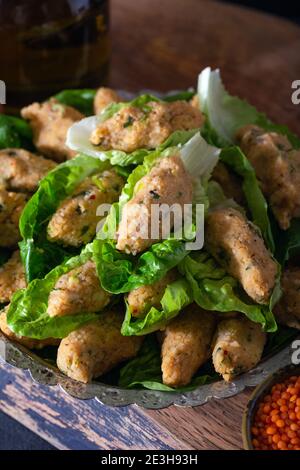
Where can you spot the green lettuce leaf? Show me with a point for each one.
(144, 371)
(38, 254)
(27, 314)
(226, 114)
(177, 296)
(15, 133)
(83, 99)
(214, 289)
(120, 273)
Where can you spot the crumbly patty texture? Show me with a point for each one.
(27, 342)
(50, 122)
(168, 183)
(75, 221)
(141, 300)
(11, 207)
(12, 277)
(104, 97)
(239, 248)
(78, 291)
(186, 345)
(277, 166)
(287, 311)
(132, 127)
(22, 170)
(96, 348)
(237, 346)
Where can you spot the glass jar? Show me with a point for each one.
(47, 46)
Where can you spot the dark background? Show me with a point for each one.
(285, 9)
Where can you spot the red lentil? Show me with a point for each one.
(276, 424)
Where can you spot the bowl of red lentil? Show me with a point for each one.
(271, 420)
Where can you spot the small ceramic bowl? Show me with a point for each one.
(261, 390)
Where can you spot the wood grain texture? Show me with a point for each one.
(68, 423)
(163, 45)
(213, 426)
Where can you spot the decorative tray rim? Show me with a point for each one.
(45, 374)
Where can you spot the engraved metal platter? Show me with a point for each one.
(46, 374)
(43, 372)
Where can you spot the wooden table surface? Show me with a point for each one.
(163, 44)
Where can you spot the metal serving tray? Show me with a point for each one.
(46, 374)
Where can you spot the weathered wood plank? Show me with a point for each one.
(216, 425)
(68, 423)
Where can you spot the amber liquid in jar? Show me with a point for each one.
(47, 46)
